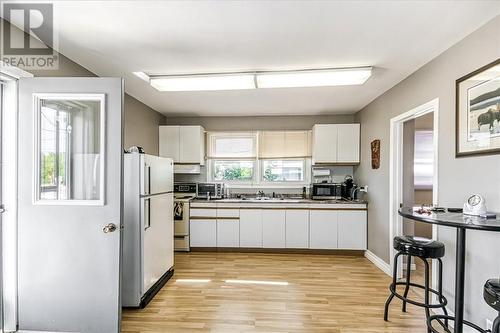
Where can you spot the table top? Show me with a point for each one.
(456, 220)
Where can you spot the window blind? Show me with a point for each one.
(223, 145)
(284, 144)
(424, 159)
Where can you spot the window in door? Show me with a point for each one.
(70, 148)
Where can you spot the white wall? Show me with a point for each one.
(457, 177)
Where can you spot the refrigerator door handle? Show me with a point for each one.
(147, 215)
(147, 180)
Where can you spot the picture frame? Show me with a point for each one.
(477, 118)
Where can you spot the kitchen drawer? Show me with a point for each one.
(202, 212)
(233, 213)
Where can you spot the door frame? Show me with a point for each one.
(10, 75)
(396, 175)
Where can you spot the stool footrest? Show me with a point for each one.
(442, 303)
(439, 318)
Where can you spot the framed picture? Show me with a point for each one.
(478, 112)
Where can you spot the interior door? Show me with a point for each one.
(70, 215)
(1, 205)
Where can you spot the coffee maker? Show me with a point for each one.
(348, 188)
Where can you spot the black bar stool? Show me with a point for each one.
(491, 294)
(424, 249)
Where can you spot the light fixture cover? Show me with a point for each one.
(142, 76)
(204, 82)
(253, 80)
(314, 78)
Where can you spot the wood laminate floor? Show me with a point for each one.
(317, 293)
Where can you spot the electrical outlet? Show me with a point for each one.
(489, 324)
(364, 189)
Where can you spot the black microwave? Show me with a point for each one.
(326, 191)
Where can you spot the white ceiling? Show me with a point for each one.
(116, 38)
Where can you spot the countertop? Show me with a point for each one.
(279, 203)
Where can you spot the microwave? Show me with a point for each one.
(327, 191)
(210, 190)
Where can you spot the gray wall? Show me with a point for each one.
(141, 125)
(457, 177)
(260, 123)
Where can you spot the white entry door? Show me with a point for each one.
(70, 218)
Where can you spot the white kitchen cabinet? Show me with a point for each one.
(324, 148)
(250, 228)
(228, 233)
(297, 228)
(169, 142)
(184, 144)
(348, 140)
(336, 144)
(323, 229)
(352, 230)
(203, 233)
(273, 228)
(192, 145)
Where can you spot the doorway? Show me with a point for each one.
(413, 173)
(418, 161)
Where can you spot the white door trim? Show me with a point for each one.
(396, 174)
(10, 75)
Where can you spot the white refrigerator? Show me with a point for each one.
(148, 235)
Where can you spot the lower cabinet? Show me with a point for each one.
(203, 233)
(250, 228)
(297, 229)
(273, 228)
(228, 233)
(323, 229)
(279, 228)
(352, 230)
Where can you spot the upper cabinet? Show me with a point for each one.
(184, 144)
(336, 144)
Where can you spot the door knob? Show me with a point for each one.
(109, 228)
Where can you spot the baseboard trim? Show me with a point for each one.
(278, 251)
(377, 261)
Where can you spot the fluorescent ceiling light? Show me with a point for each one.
(274, 283)
(253, 80)
(203, 82)
(314, 78)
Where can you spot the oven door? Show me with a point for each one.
(181, 218)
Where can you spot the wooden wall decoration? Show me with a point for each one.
(375, 145)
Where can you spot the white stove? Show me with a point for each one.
(183, 194)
